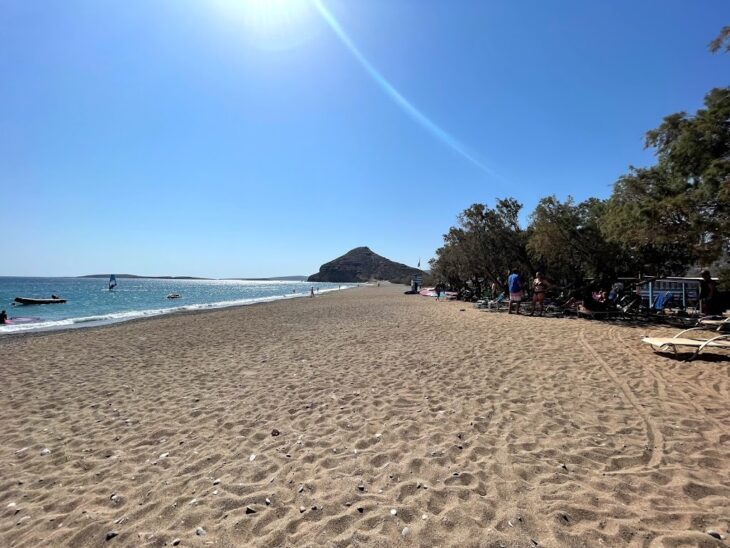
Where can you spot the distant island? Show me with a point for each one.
(136, 276)
(361, 265)
(144, 277)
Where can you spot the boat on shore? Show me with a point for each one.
(29, 300)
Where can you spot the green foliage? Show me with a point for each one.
(566, 240)
(484, 245)
(723, 39)
(677, 212)
(659, 220)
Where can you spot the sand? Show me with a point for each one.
(365, 417)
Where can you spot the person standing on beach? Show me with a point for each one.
(708, 294)
(539, 287)
(514, 285)
(311, 291)
(3, 317)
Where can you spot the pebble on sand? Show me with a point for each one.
(252, 458)
(715, 534)
(201, 532)
(406, 531)
(216, 481)
(45, 452)
(275, 432)
(302, 509)
(393, 512)
(164, 455)
(111, 534)
(176, 542)
(268, 501)
(250, 510)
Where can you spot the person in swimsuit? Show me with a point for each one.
(539, 287)
(3, 317)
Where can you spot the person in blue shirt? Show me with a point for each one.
(514, 285)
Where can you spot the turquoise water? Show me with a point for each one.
(89, 301)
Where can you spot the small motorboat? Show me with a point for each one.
(29, 300)
(174, 296)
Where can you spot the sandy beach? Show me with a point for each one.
(364, 417)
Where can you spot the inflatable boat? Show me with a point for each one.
(28, 300)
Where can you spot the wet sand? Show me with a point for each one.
(364, 417)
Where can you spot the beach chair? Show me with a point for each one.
(671, 343)
(584, 312)
(714, 322)
(494, 304)
(661, 301)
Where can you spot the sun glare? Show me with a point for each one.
(270, 24)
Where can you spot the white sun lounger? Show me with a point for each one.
(671, 343)
(713, 323)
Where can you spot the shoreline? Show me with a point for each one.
(39, 328)
(367, 417)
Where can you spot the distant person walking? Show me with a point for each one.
(3, 317)
(311, 291)
(439, 290)
(514, 285)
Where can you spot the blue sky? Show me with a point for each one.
(245, 138)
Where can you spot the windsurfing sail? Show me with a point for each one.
(112, 282)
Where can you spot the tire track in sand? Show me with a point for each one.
(655, 437)
(661, 379)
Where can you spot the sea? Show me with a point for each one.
(89, 302)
